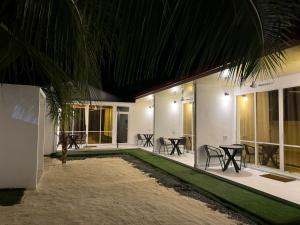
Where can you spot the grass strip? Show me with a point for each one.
(263, 209)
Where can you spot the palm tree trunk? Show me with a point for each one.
(64, 147)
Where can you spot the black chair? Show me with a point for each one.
(213, 152)
(267, 152)
(182, 143)
(239, 155)
(140, 139)
(250, 151)
(81, 140)
(164, 144)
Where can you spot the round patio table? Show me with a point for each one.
(231, 155)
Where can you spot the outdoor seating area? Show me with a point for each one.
(150, 112)
(172, 145)
(74, 140)
(226, 154)
(145, 140)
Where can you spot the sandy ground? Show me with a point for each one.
(105, 191)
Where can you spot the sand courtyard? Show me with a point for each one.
(106, 191)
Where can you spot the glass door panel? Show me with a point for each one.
(245, 117)
(79, 119)
(245, 125)
(267, 128)
(188, 124)
(122, 131)
(291, 126)
(106, 124)
(94, 125)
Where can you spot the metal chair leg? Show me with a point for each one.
(220, 162)
(206, 163)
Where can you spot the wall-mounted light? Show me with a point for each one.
(174, 101)
(150, 97)
(225, 74)
(175, 89)
(245, 98)
(226, 94)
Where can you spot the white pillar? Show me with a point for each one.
(281, 130)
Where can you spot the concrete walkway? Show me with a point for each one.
(250, 177)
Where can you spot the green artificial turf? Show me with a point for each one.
(262, 208)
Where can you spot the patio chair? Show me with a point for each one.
(239, 155)
(164, 144)
(250, 151)
(81, 140)
(213, 152)
(140, 139)
(182, 143)
(267, 151)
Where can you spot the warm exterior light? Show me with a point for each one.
(225, 73)
(245, 98)
(175, 89)
(150, 97)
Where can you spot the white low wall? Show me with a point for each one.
(19, 136)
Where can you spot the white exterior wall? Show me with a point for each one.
(50, 140)
(168, 116)
(140, 119)
(19, 135)
(41, 135)
(215, 114)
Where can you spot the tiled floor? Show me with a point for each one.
(249, 177)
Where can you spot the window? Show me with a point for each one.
(267, 140)
(94, 125)
(245, 117)
(291, 126)
(267, 128)
(106, 124)
(100, 124)
(122, 109)
(79, 119)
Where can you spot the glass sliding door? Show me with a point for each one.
(122, 130)
(267, 128)
(188, 124)
(291, 103)
(245, 125)
(79, 119)
(245, 117)
(106, 125)
(100, 124)
(94, 125)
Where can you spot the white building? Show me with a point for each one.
(206, 110)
